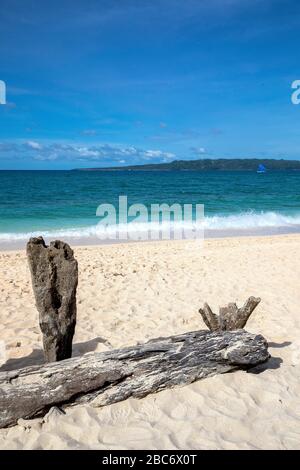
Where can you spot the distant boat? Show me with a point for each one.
(261, 169)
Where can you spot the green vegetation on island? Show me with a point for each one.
(225, 164)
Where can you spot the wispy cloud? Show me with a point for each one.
(199, 151)
(89, 132)
(34, 145)
(17, 91)
(176, 135)
(102, 153)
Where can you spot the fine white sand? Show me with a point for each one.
(132, 292)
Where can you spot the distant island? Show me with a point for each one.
(225, 164)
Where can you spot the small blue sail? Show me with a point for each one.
(261, 168)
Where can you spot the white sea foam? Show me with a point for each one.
(252, 220)
(246, 221)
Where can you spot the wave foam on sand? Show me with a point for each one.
(245, 222)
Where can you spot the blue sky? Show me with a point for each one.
(100, 83)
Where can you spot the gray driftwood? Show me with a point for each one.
(112, 376)
(54, 274)
(230, 317)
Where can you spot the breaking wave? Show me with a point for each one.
(248, 221)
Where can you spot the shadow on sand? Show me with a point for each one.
(279, 345)
(272, 363)
(37, 356)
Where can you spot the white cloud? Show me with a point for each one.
(198, 150)
(34, 145)
(158, 154)
(106, 154)
(86, 152)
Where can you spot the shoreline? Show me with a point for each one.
(18, 245)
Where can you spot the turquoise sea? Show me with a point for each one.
(64, 203)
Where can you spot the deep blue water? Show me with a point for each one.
(65, 202)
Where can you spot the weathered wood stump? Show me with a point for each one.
(112, 376)
(54, 273)
(230, 317)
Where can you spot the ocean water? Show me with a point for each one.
(64, 203)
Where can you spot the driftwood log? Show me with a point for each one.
(112, 376)
(230, 317)
(54, 273)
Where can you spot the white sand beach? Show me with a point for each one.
(133, 292)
